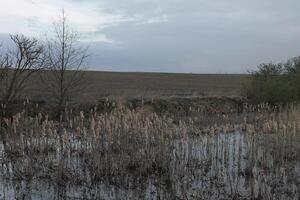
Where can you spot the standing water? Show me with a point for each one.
(222, 166)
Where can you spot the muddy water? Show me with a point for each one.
(224, 166)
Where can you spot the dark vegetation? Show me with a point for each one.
(278, 84)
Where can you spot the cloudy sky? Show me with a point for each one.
(198, 36)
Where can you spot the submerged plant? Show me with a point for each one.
(252, 155)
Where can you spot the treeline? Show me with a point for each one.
(275, 83)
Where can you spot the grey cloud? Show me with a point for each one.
(195, 35)
(200, 36)
(169, 47)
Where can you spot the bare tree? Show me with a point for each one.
(17, 66)
(65, 61)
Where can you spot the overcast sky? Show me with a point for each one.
(198, 36)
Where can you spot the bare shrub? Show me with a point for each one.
(17, 66)
(65, 59)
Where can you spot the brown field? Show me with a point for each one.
(151, 85)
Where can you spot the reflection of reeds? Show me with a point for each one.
(91, 148)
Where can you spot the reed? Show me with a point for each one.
(253, 154)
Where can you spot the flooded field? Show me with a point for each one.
(129, 155)
(233, 165)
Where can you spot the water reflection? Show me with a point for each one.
(223, 166)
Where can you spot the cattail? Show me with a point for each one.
(71, 123)
(81, 115)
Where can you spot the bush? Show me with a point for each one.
(275, 83)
